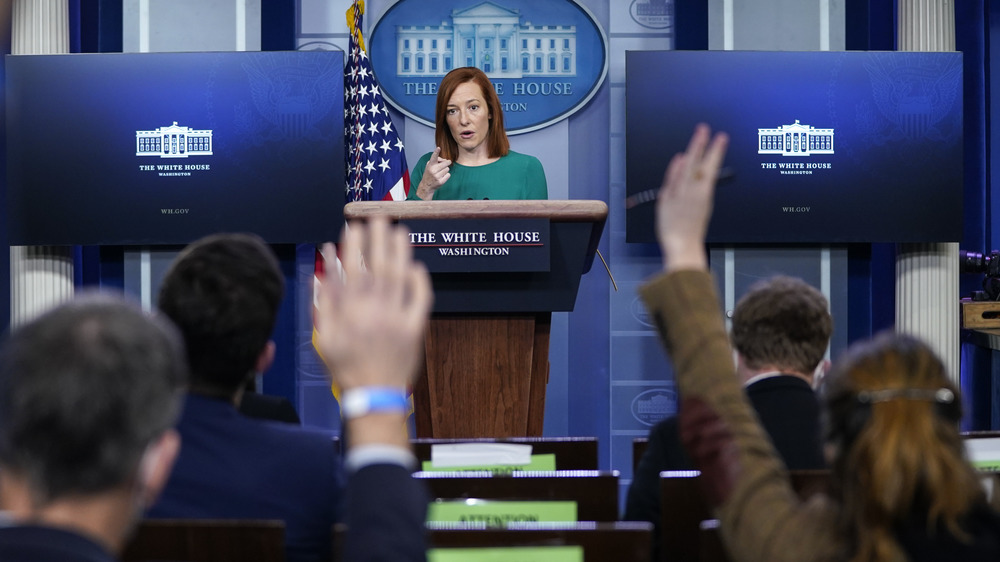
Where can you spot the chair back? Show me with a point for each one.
(639, 445)
(689, 531)
(207, 540)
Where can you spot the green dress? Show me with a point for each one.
(514, 176)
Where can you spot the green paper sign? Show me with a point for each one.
(507, 554)
(498, 513)
(545, 462)
(992, 465)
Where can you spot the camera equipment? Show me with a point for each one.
(974, 262)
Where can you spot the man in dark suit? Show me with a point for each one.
(88, 395)
(223, 292)
(781, 329)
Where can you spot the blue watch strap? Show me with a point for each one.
(370, 399)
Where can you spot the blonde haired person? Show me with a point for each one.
(901, 488)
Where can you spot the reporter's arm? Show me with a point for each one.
(385, 296)
(761, 517)
(385, 506)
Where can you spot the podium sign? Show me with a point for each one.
(468, 245)
(487, 347)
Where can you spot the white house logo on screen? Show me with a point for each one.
(173, 141)
(651, 406)
(795, 140)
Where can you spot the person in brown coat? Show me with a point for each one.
(901, 486)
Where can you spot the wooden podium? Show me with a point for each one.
(487, 348)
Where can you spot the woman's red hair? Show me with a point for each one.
(497, 144)
(896, 459)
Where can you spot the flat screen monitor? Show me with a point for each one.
(825, 147)
(163, 148)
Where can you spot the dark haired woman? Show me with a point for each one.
(473, 159)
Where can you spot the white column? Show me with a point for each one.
(927, 291)
(40, 276)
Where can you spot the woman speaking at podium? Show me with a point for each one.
(473, 159)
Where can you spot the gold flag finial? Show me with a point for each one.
(354, 14)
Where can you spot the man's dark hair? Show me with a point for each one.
(84, 389)
(782, 322)
(223, 293)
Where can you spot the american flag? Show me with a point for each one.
(376, 165)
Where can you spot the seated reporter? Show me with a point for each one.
(901, 487)
(88, 394)
(781, 329)
(223, 293)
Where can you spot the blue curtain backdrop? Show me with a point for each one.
(974, 26)
(870, 25)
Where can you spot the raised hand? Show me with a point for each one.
(684, 206)
(371, 323)
(436, 173)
